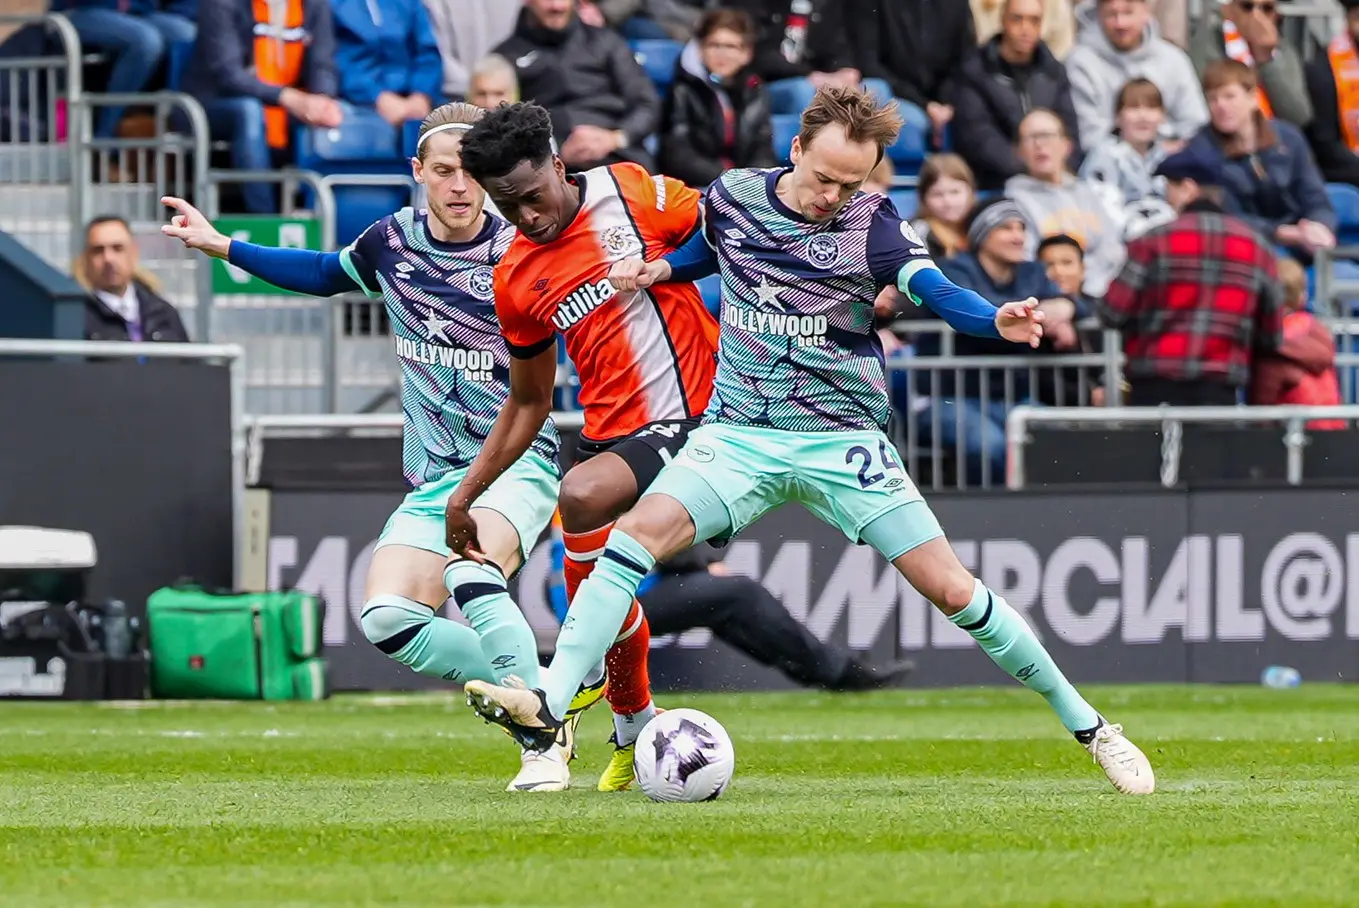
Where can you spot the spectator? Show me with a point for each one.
(387, 57)
(123, 304)
(493, 83)
(716, 115)
(880, 180)
(801, 45)
(1248, 31)
(1302, 371)
(1120, 42)
(1333, 89)
(1198, 299)
(947, 192)
(1127, 160)
(1058, 23)
(257, 76)
(643, 19)
(1064, 262)
(1171, 16)
(1000, 270)
(1056, 202)
(1266, 167)
(1009, 76)
(917, 47)
(600, 99)
(467, 31)
(135, 34)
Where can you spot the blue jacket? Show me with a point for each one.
(186, 8)
(1286, 187)
(223, 61)
(385, 45)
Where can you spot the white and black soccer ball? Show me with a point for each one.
(684, 755)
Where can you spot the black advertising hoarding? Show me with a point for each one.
(1167, 586)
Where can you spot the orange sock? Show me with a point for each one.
(629, 688)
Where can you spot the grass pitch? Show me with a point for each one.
(968, 798)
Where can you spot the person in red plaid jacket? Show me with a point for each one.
(1197, 299)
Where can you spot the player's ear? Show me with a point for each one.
(418, 170)
(795, 153)
(559, 166)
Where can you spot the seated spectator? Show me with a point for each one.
(1010, 75)
(493, 82)
(880, 180)
(256, 77)
(1120, 42)
(1199, 298)
(1000, 270)
(1302, 371)
(1171, 18)
(387, 57)
(716, 115)
(1333, 89)
(601, 102)
(1057, 21)
(1248, 31)
(947, 193)
(642, 19)
(1127, 160)
(136, 35)
(123, 304)
(1064, 261)
(1056, 202)
(801, 45)
(1266, 167)
(917, 47)
(466, 32)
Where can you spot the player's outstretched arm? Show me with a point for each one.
(528, 406)
(968, 312)
(299, 270)
(692, 261)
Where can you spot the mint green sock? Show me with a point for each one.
(1007, 639)
(596, 614)
(413, 635)
(506, 638)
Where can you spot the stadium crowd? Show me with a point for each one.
(1070, 147)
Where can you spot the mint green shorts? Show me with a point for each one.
(728, 476)
(525, 495)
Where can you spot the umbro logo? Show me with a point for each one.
(1026, 672)
(734, 234)
(404, 269)
(504, 661)
(540, 285)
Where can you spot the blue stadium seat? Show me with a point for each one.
(909, 150)
(1345, 200)
(711, 289)
(785, 128)
(658, 57)
(905, 200)
(410, 134)
(364, 144)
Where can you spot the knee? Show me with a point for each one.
(391, 622)
(145, 41)
(586, 501)
(955, 592)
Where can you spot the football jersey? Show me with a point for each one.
(798, 350)
(641, 356)
(455, 367)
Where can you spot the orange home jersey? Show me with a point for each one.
(641, 357)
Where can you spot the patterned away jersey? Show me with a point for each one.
(798, 350)
(455, 368)
(641, 357)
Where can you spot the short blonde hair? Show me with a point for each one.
(453, 113)
(856, 111)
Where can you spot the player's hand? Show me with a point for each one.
(635, 274)
(191, 228)
(1021, 322)
(460, 533)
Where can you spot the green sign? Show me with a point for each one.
(289, 233)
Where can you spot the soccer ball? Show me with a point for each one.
(683, 755)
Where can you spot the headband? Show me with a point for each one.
(991, 217)
(444, 128)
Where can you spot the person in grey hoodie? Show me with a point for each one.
(1127, 160)
(1056, 202)
(1248, 31)
(1118, 41)
(466, 31)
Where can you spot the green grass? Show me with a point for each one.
(967, 798)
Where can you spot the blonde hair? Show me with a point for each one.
(854, 110)
(453, 114)
(1294, 281)
(952, 237)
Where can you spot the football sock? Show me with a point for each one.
(596, 614)
(413, 635)
(506, 638)
(629, 690)
(1009, 641)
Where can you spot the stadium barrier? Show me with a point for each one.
(141, 445)
(1156, 585)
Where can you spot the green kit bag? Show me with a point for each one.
(236, 646)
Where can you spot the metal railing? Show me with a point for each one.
(1171, 420)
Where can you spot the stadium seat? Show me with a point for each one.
(905, 201)
(785, 128)
(364, 144)
(908, 151)
(658, 57)
(1345, 200)
(410, 134)
(711, 289)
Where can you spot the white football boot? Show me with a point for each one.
(1126, 766)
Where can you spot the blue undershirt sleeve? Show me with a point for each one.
(692, 261)
(299, 270)
(965, 310)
